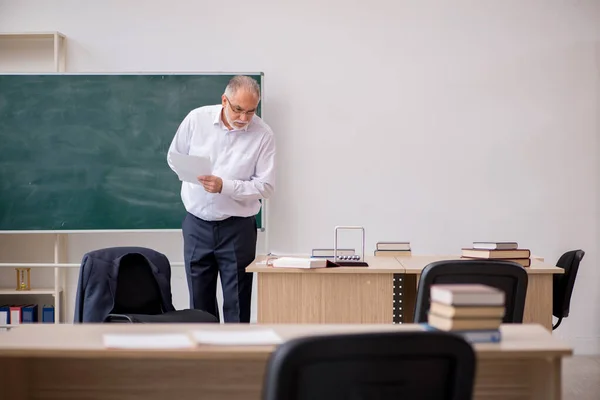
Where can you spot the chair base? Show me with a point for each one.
(557, 324)
(179, 316)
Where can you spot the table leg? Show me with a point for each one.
(538, 303)
(409, 297)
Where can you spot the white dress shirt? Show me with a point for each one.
(243, 158)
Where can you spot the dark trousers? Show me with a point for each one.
(220, 247)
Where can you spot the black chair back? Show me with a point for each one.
(390, 365)
(563, 284)
(137, 290)
(507, 276)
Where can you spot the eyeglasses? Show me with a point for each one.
(238, 109)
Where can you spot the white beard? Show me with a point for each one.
(231, 122)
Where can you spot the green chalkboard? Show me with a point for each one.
(88, 151)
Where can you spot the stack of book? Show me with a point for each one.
(392, 249)
(508, 251)
(475, 311)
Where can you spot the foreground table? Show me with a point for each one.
(69, 362)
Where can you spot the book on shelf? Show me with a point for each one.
(16, 315)
(496, 245)
(495, 254)
(30, 313)
(466, 294)
(48, 314)
(4, 314)
(392, 246)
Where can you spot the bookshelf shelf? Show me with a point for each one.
(50, 291)
(55, 38)
(60, 277)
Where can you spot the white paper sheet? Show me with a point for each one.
(237, 338)
(148, 341)
(189, 168)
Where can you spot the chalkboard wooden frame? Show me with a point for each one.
(261, 217)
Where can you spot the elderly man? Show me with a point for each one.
(219, 229)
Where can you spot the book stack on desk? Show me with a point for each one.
(475, 311)
(506, 251)
(392, 249)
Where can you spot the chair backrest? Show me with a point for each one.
(562, 284)
(388, 365)
(137, 290)
(507, 276)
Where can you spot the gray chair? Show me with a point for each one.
(384, 366)
(507, 276)
(562, 284)
(138, 298)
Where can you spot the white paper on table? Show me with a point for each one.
(147, 341)
(237, 338)
(188, 168)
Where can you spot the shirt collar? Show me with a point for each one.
(219, 121)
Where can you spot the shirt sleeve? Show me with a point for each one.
(262, 183)
(182, 139)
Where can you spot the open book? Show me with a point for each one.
(299, 262)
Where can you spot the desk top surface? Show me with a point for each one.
(412, 264)
(415, 264)
(377, 265)
(86, 340)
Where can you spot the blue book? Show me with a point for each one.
(483, 336)
(30, 313)
(48, 314)
(473, 336)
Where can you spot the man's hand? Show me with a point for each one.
(211, 183)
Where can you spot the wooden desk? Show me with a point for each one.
(67, 361)
(369, 295)
(327, 295)
(538, 303)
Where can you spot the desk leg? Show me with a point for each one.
(313, 297)
(547, 379)
(14, 379)
(538, 303)
(518, 379)
(409, 297)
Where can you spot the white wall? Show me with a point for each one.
(431, 121)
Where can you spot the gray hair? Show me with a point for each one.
(242, 82)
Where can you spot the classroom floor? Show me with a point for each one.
(581, 378)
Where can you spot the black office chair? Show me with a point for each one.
(137, 297)
(390, 365)
(562, 284)
(507, 276)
